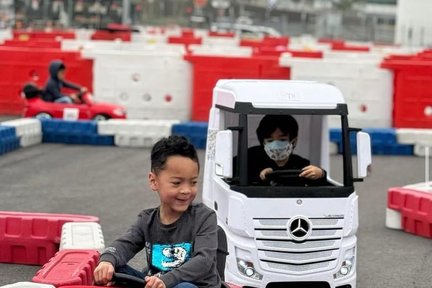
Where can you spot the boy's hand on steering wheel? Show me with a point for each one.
(312, 172)
(154, 282)
(83, 89)
(264, 172)
(103, 273)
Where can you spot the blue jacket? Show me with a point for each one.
(54, 85)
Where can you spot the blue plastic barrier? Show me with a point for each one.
(196, 132)
(8, 139)
(74, 132)
(383, 141)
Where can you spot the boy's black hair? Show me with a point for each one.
(173, 145)
(269, 123)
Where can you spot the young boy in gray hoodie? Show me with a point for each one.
(180, 238)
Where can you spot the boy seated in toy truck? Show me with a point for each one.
(180, 238)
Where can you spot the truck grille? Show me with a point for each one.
(278, 251)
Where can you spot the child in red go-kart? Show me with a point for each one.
(51, 103)
(54, 85)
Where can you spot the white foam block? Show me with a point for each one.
(30, 139)
(24, 126)
(414, 136)
(150, 128)
(82, 235)
(135, 140)
(28, 285)
(393, 219)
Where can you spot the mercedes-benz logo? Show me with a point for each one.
(299, 228)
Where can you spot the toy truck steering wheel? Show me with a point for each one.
(129, 281)
(286, 177)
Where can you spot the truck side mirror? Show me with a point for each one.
(224, 154)
(364, 158)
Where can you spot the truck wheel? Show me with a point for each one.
(100, 117)
(43, 115)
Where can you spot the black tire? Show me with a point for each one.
(101, 117)
(43, 115)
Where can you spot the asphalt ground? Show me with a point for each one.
(111, 183)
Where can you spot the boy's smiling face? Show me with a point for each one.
(176, 185)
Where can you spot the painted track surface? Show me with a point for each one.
(111, 183)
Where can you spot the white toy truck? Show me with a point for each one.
(284, 236)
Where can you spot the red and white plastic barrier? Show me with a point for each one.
(410, 208)
(154, 84)
(366, 87)
(33, 238)
(69, 267)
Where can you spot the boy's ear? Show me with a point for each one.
(152, 181)
(294, 142)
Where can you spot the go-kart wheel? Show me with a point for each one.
(125, 280)
(285, 177)
(43, 115)
(100, 117)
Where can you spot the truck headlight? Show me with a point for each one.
(347, 264)
(247, 269)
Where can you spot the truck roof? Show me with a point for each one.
(282, 94)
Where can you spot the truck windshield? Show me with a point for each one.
(287, 152)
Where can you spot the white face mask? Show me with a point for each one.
(279, 150)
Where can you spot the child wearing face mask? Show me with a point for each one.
(277, 135)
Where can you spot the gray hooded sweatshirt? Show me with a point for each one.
(184, 251)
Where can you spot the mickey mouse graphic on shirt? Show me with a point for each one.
(168, 256)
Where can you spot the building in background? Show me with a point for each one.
(414, 24)
(362, 20)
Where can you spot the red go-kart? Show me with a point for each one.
(86, 109)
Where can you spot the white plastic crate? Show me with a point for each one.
(25, 126)
(136, 140)
(83, 34)
(150, 128)
(5, 34)
(393, 219)
(82, 235)
(27, 285)
(30, 139)
(149, 38)
(414, 136)
(88, 46)
(368, 89)
(221, 41)
(226, 51)
(153, 84)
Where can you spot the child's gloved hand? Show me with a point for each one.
(312, 172)
(264, 172)
(103, 273)
(154, 282)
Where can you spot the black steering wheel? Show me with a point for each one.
(128, 281)
(286, 177)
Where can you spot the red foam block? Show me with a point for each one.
(415, 207)
(69, 267)
(33, 238)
